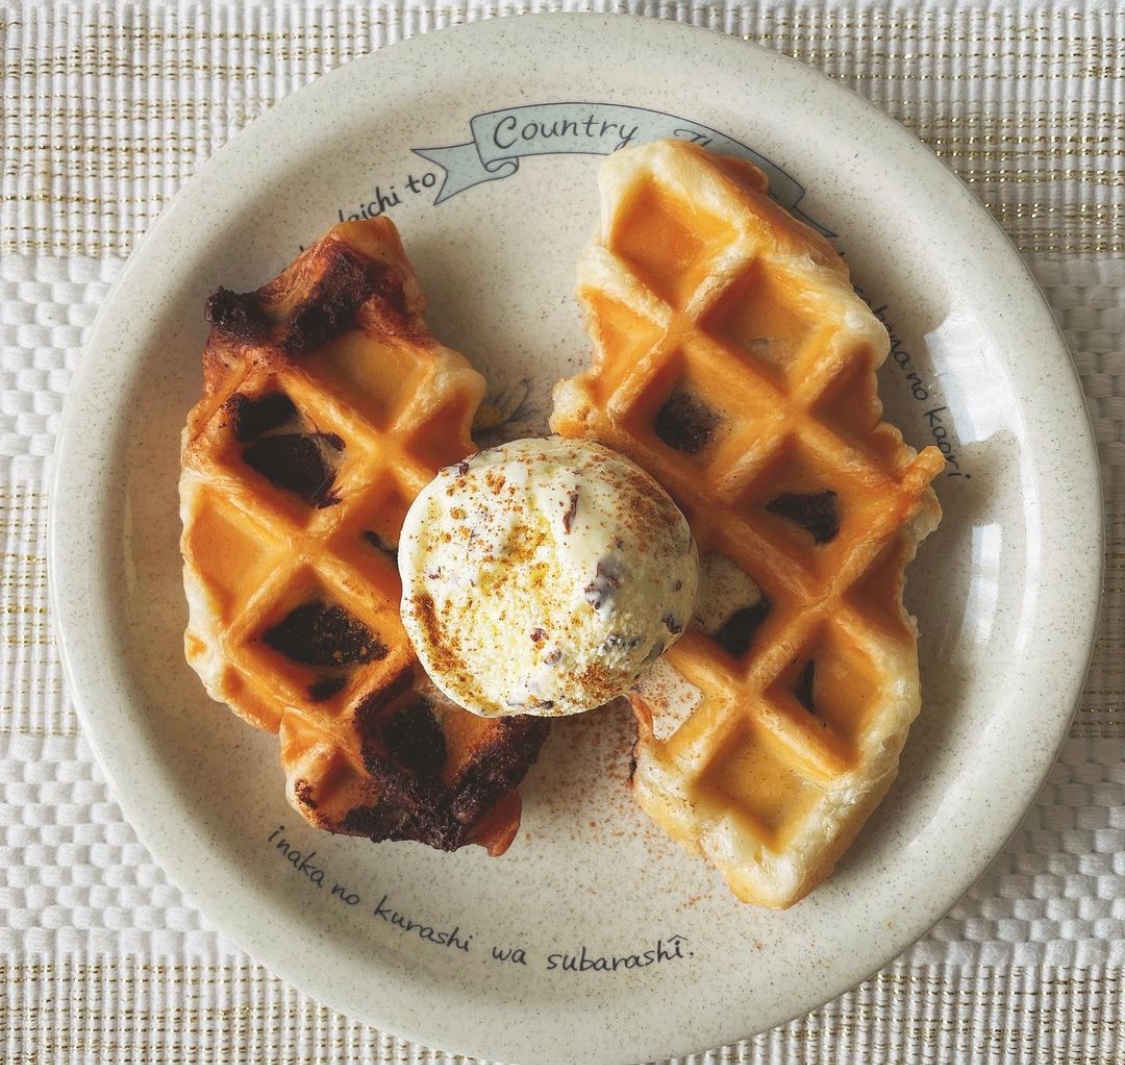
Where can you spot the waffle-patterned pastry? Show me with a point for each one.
(326, 406)
(734, 362)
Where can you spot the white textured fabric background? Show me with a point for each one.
(107, 108)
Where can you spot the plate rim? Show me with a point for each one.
(69, 451)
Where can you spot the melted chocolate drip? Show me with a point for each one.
(738, 630)
(413, 738)
(323, 634)
(815, 512)
(295, 463)
(418, 804)
(252, 417)
(322, 690)
(685, 422)
(368, 710)
(373, 539)
(803, 689)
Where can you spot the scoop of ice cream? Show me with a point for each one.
(543, 577)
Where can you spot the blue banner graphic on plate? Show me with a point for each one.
(500, 139)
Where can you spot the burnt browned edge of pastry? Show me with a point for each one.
(347, 280)
(404, 752)
(239, 317)
(404, 745)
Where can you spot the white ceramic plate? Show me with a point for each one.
(594, 939)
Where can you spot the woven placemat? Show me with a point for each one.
(108, 108)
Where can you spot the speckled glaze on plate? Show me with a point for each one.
(593, 939)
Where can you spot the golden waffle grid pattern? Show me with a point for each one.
(701, 311)
(285, 551)
(298, 471)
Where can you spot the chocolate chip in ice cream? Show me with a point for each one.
(539, 578)
(607, 579)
